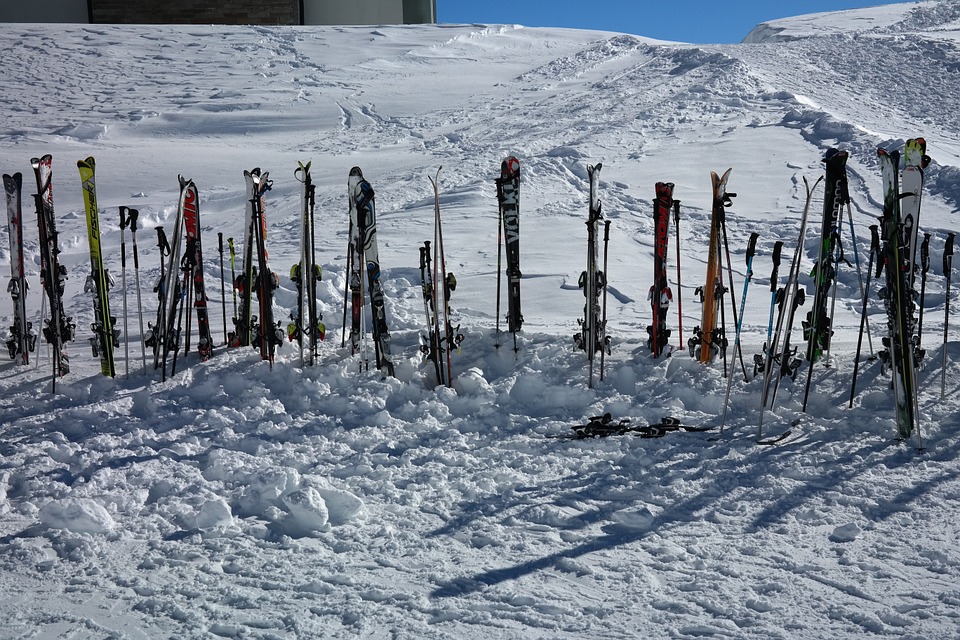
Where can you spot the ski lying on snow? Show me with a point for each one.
(605, 425)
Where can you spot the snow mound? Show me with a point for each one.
(77, 515)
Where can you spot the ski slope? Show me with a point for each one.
(237, 501)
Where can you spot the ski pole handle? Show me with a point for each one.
(875, 248)
(752, 245)
(948, 255)
(123, 218)
(132, 215)
(925, 253)
(777, 249)
(162, 242)
(220, 242)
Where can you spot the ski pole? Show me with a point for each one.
(856, 259)
(496, 342)
(777, 250)
(603, 321)
(132, 215)
(676, 226)
(233, 279)
(223, 287)
(924, 266)
(720, 337)
(314, 317)
(346, 286)
(947, 271)
(160, 329)
(874, 254)
(123, 285)
(733, 303)
(751, 250)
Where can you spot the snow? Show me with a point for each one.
(236, 500)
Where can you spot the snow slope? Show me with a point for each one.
(237, 501)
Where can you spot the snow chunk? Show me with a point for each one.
(308, 511)
(637, 519)
(342, 506)
(214, 514)
(78, 515)
(845, 533)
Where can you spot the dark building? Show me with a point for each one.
(265, 12)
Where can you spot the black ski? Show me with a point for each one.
(660, 295)
(59, 328)
(508, 197)
(22, 339)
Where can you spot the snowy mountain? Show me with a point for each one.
(236, 500)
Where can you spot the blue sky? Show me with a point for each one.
(698, 21)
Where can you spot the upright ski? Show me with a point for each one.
(708, 339)
(243, 283)
(508, 197)
(307, 322)
(174, 288)
(817, 328)
(792, 299)
(897, 295)
(59, 328)
(431, 345)
(364, 222)
(22, 339)
(193, 264)
(592, 335)
(660, 295)
(99, 281)
(266, 333)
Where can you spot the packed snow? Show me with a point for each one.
(238, 500)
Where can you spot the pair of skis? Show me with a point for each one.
(180, 288)
(592, 337)
(22, 340)
(59, 328)
(259, 331)
(898, 232)
(106, 334)
(780, 358)
(442, 337)
(306, 326)
(660, 295)
(363, 258)
(710, 339)
(508, 233)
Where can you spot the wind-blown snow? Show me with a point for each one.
(234, 500)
